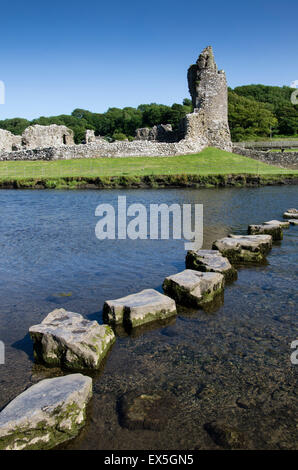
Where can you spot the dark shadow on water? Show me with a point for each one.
(125, 331)
(25, 345)
(42, 371)
(96, 316)
(207, 309)
(59, 299)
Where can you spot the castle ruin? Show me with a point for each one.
(208, 123)
(206, 126)
(36, 137)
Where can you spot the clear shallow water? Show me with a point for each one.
(232, 365)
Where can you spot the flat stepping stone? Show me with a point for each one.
(210, 261)
(291, 214)
(138, 309)
(46, 414)
(283, 224)
(244, 248)
(275, 230)
(67, 339)
(194, 288)
(293, 221)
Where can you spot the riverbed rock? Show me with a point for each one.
(274, 230)
(244, 249)
(194, 288)
(68, 340)
(283, 224)
(210, 261)
(291, 214)
(46, 414)
(146, 411)
(225, 435)
(138, 309)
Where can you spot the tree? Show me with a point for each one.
(287, 116)
(16, 125)
(249, 119)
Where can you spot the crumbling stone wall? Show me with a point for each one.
(102, 148)
(36, 137)
(47, 136)
(159, 133)
(9, 141)
(89, 136)
(282, 159)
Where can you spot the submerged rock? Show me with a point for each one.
(275, 230)
(138, 309)
(210, 261)
(226, 436)
(194, 288)
(69, 340)
(291, 214)
(48, 413)
(145, 411)
(244, 248)
(283, 224)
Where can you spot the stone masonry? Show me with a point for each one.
(36, 137)
(208, 89)
(47, 136)
(9, 141)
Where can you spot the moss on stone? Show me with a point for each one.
(184, 297)
(55, 434)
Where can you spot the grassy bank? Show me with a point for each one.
(211, 167)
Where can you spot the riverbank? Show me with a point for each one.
(150, 181)
(209, 168)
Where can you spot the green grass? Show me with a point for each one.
(210, 161)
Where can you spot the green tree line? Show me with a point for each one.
(255, 111)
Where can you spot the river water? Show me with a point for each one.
(230, 366)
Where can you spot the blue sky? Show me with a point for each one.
(61, 55)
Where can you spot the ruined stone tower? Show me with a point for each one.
(208, 90)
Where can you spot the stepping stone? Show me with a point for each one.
(194, 288)
(137, 309)
(291, 214)
(283, 224)
(67, 339)
(293, 221)
(226, 436)
(244, 248)
(46, 414)
(274, 230)
(210, 261)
